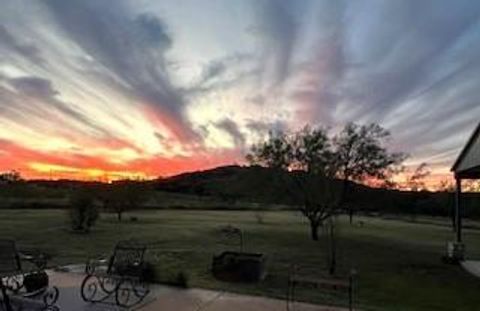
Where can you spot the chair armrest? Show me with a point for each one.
(93, 264)
(39, 260)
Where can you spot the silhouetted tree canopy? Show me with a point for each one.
(357, 153)
(10, 176)
(277, 152)
(360, 153)
(312, 151)
(123, 196)
(318, 198)
(416, 180)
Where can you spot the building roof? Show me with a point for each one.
(467, 164)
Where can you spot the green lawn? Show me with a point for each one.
(398, 262)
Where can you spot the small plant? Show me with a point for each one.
(260, 217)
(83, 213)
(181, 279)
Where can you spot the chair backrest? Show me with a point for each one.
(126, 256)
(9, 259)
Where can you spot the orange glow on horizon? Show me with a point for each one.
(108, 165)
(34, 164)
(54, 171)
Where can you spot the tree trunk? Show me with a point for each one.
(344, 200)
(333, 250)
(314, 230)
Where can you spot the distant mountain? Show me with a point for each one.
(238, 187)
(265, 185)
(248, 183)
(252, 183)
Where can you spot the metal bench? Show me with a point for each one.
(21, 288)
(119, 280)
(296, 279)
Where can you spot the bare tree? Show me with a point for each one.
(123, 196)
(312, 151)
(276, 152)
(318, 199)
(416, 180)
(446, 185)
(359, 154)
(309, 152)
(355, 154)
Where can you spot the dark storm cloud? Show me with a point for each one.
(131, 47)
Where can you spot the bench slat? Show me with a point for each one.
(335, 283)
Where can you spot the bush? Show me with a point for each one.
(83, 212)
(181, 280)
(260, 217)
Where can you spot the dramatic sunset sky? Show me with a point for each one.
(97, 89)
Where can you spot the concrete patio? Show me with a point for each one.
(472, 266)
(174, 299)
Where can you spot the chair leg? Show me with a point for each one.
(6, 299)
(290, 295)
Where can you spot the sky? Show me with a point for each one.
(93, 89)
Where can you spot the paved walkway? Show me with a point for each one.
(472, 266)
(164, 298)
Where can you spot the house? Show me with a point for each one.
(467, 166)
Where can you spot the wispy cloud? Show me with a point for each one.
(125, 84)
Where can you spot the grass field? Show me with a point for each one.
(398, 262)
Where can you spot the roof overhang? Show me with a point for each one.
(472, 173)
(468, 171)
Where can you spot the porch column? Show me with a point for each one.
(458, 211)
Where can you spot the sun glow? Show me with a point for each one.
(61, 171)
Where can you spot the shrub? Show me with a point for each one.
(181, 280)
(260, 217)
(83, 212)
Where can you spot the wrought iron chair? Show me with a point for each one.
(20, 286)
(119, 280)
